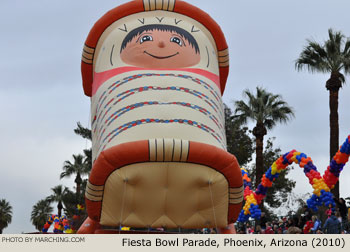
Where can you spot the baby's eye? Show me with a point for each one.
(145, 38)
(176, 40)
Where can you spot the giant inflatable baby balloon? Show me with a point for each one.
(155, 71)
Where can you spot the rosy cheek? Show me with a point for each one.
(189, 51)
(133, 54)
(135, 47)
(147, 46)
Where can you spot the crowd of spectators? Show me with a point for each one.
(336, 221)
(308, 222)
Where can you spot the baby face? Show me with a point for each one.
(160, 49)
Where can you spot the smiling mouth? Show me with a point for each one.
(161, 57)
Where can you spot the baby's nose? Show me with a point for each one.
(161, 44)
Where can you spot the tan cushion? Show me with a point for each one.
(168, 195)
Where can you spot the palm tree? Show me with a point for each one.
(79, 167)
(82, 131)
(58, 196)
(265, 109)
(76, 217)
(88, 159)
(332, 57)
(5, 214)
(85, 133)
(41, 213)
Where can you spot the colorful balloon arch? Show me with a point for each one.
(61, 225)
(321, 185)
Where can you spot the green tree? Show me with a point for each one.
(41, 213)
(75, 216)
(58, 196)
(332, 57)
(238, 141)
(78, 168)
(5, 214)
(266, 110)
(82, 131)
(85, 133)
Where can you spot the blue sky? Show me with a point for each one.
(41, 96)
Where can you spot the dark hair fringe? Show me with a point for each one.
(137, 31)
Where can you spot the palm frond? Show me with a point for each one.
(5, 214)
(263, 107)
(79, 165)
(346, 55)
(327, 57)
(82, 131)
